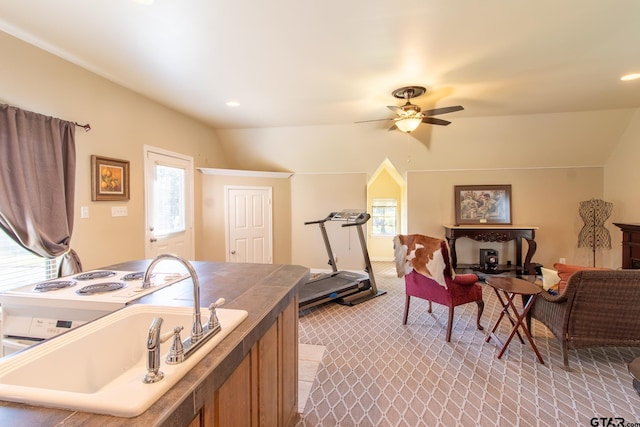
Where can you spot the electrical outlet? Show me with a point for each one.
(119, 211)
(563, 260)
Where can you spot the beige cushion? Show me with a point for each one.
(550, 278)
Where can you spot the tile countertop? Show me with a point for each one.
(263, 290)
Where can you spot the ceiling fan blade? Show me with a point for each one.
(397, 110)
(443, 110)
(435, 121)
(374, 120)
(394, 127)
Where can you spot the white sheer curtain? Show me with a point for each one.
(37, 183)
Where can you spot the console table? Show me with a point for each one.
(493, 233)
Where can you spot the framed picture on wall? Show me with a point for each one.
(109, 179)
(482, 204)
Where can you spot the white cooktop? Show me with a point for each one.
(129, 290)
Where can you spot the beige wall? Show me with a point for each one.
(213, 213)
(544, 198)
(622, 175)
(315, 196)
(122, 122)
(516, 142)
(553, 161)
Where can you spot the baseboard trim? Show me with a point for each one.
(383, 259)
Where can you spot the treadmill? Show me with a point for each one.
(344, 287)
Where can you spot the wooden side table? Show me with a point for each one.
(506, 289)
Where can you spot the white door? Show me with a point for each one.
(248, 224)
(168, 203)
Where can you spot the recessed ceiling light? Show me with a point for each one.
(633, 76)
(233, 104)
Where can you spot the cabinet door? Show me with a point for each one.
(195, 422)
(231, 405)
(268, 396)
(289, 363)
(263, 390)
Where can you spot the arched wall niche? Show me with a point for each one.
(386, 183)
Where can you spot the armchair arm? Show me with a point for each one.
(552, 298)
(551, 311)
(465, 279)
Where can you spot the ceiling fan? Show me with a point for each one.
(409, 116)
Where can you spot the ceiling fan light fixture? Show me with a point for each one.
(409, 116)
(408, 124)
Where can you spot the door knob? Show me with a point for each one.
(233, 252)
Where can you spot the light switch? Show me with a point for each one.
(84, 211)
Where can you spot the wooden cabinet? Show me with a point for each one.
(263, 389)
(630, 245)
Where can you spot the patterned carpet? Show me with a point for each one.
(377, 372)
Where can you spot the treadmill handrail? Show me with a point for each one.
(362, 219)
(321, 220)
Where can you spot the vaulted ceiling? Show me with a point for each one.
(302, 62)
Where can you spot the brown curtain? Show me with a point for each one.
(37, 183)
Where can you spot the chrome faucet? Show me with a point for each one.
(180, 350)
(154, 339)
(197, 331)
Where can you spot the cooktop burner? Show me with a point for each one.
(98, 274)
(99, 288)
(133, 276)
(53, 286)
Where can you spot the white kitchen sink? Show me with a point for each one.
(100, 366)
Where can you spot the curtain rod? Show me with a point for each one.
(86, 127)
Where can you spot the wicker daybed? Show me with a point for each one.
(596, 309)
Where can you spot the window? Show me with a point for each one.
(170, 200)
(384, 217)
(20, 267)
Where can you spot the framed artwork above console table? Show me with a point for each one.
(496, 233)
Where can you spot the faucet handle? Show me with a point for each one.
(176, 352)
(217, 304)
(214, 323)
(164, 337)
